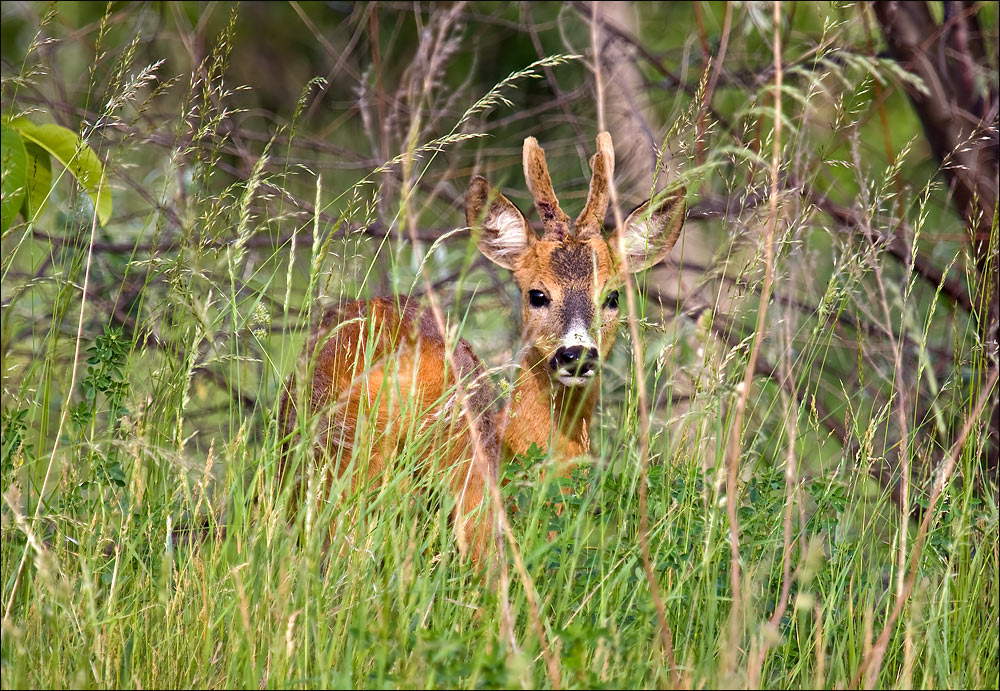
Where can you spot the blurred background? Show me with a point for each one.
(267, 159)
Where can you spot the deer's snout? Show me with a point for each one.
(574, 362)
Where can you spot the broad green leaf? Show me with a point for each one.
(39, 179)
(76, 156)
(14, 171)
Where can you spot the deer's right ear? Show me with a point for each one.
(504, 232)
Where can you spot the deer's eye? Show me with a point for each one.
(611, 301)
(537, 298)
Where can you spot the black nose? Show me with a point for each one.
(578, 360)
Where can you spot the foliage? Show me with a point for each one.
(27, 168)
(268, 161)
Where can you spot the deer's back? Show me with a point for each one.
(384, 361)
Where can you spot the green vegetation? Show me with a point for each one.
(265, 161)
(27, 153)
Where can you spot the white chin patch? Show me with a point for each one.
(574, 381)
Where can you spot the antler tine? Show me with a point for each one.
(590, 220)
(536, 173)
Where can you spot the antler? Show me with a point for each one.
(536, 173)
(590, 220)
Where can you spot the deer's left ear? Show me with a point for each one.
(651, 230)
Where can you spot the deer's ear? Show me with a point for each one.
(504, 234)
(651, 230)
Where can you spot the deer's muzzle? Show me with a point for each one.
(574, 366)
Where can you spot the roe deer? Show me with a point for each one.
(569, 280)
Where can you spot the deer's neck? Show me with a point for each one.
(552, 416)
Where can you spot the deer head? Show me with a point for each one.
(570, 277)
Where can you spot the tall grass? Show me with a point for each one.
(148, 542)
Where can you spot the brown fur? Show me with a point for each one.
(404, 344)
(556, 420)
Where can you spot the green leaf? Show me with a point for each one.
(76, 156)
(14, 172)
(39, 179)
